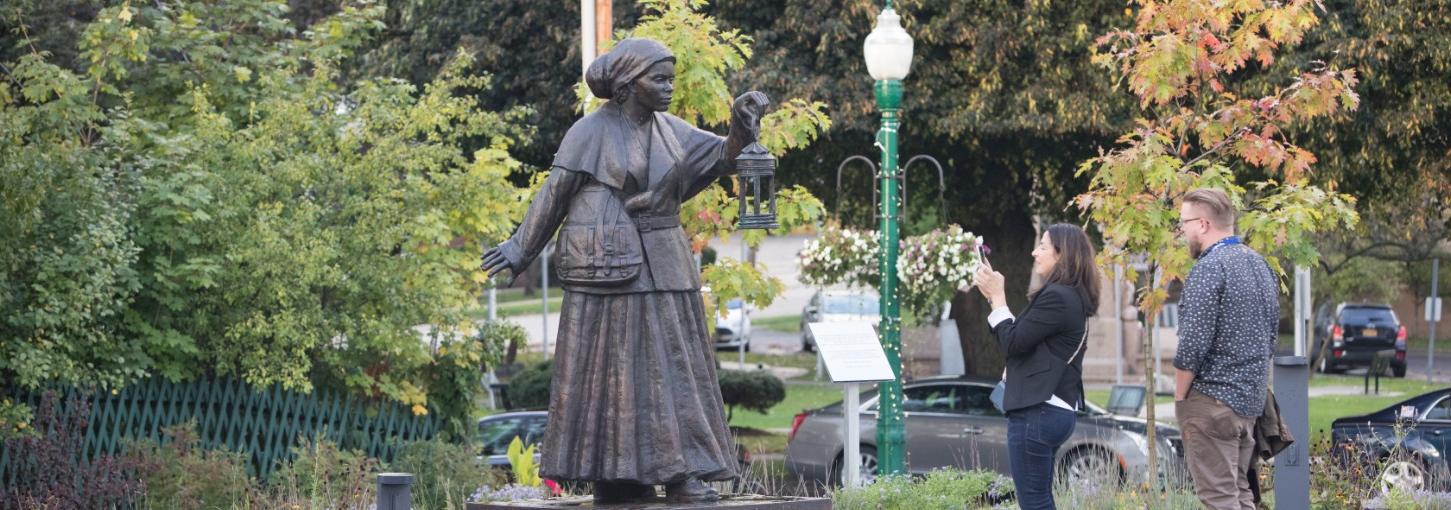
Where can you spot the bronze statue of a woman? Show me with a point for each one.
(635, 401)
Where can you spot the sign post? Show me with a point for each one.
(1433, 315)
(852, 355)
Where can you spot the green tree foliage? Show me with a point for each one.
(1196, 130)
(531, 49)
(529, 389)
(206, 196)
(1403, 128)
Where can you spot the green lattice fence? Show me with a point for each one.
(265, 423)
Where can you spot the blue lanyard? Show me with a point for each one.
(1231, 240)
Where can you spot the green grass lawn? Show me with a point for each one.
(516, 294)
(759, 441)
(1100, 398)
(804, 360)
(529, 306)
(799, 397)
(1418, 344)
(783, 323)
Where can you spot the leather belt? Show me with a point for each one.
(648, 223)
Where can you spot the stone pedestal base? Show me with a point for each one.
(725, 503)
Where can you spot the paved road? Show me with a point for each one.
(1416, 366)
(778, 255)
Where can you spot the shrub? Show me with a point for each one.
(529, 389)
(754, 390)
(453, 384)
(939, 490)
(1100, 497)
(52, 473)
(322, 473)
(446, 474)
(1400, 499)
(180, 474)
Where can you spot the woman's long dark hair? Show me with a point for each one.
(1075, 266)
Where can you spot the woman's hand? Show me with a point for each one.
(747, 110)
(990, 284)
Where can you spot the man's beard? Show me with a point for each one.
(1196, 248)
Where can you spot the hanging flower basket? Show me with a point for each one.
(931, 267)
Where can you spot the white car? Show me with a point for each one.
(837, 306)
(733, 330)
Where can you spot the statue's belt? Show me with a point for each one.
(648, 223)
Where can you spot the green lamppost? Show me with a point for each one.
(889, 58)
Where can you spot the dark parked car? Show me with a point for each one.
(950, 422)
(1408, 442)
(1352, 334)
(497, 431)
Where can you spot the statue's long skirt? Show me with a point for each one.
(635, 396)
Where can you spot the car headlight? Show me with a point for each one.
(1140, 441)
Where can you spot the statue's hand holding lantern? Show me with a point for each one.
(756, 166)
(757, 186)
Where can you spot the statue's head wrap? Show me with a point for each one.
(623, 64)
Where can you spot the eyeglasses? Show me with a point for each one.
(1179, 229)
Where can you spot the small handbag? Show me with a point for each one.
(997, 395)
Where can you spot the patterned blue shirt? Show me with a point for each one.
(1229, 318)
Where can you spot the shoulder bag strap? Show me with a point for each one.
(1081, 343)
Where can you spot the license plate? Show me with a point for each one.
(1369, 332)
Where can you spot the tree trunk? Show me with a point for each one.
(1149, 370)
(1012, 243)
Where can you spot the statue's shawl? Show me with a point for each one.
(600, 145)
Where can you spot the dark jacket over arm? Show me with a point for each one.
(1039, 345)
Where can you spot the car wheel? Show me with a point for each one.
(746, 344)
(1327, 367)
(1398, 370)
(868, 468)
(1405, 474)
(1091, 467)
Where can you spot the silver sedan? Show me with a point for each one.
(950, 422)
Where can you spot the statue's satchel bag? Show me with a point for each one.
(599, 245)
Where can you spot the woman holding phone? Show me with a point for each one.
(1043, 382)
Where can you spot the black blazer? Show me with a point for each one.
(1038, 343)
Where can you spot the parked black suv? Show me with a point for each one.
(1355, 333)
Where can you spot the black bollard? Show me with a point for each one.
(1292, 466)
(395, 491)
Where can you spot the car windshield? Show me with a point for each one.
(1364, 315)
(858, 305)
(734, 304)
(495, 435)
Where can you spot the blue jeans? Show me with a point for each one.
(1034, 435)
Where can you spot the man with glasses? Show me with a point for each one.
(1228, 325)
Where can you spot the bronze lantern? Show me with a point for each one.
(757, 174)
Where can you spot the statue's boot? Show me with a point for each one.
(622, 492)
(690, 491)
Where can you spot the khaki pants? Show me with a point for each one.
(1218, 446)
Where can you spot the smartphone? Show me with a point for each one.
(982, 251)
